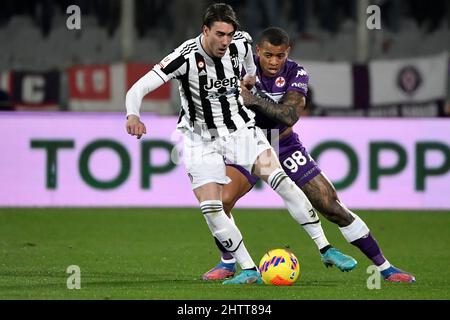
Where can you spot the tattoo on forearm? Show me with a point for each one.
(285, 112)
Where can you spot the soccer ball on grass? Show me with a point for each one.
(279, 267)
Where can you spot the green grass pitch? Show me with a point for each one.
(129, 253)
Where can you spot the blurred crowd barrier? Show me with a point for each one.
(416, 87)
(81, 88)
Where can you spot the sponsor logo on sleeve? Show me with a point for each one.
(301, 73)
(300, 85)
(165, 62)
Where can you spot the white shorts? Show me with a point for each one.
(205, 160)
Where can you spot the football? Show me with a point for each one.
(279, 267)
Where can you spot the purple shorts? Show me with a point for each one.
(295, 160)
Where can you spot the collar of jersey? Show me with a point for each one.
(199, 39)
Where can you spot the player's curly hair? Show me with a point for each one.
(220, 12)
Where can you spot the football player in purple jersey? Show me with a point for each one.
(278, 99)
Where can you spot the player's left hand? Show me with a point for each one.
(249, 81)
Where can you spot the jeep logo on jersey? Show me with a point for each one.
(217, 84)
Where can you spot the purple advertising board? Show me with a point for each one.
(88, 159)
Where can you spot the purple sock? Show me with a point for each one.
(369, 246)
(226, 256)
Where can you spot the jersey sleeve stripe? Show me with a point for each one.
(162, 78)
(186, 46)
(188, 49)
(174, 65)
(237, 35)
(246, 45)
(185, 53)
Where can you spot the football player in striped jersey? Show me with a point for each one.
(215, 125)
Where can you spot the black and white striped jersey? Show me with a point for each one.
(209, 87)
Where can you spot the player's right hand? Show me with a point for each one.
(135, 127)
(249, 81)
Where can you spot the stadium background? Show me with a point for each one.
(377, 123)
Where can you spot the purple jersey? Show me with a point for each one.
(293, 156)
(292, 77)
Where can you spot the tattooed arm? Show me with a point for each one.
(286, 112)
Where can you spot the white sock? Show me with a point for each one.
(298, 206)
(384, 266)
(224, 230)
(355, 230)
(228, 260)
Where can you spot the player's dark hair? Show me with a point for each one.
(275, 36)
(221, 12)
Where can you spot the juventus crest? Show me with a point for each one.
(235, 61)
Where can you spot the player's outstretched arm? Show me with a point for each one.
(287, 112)
(144, 85)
